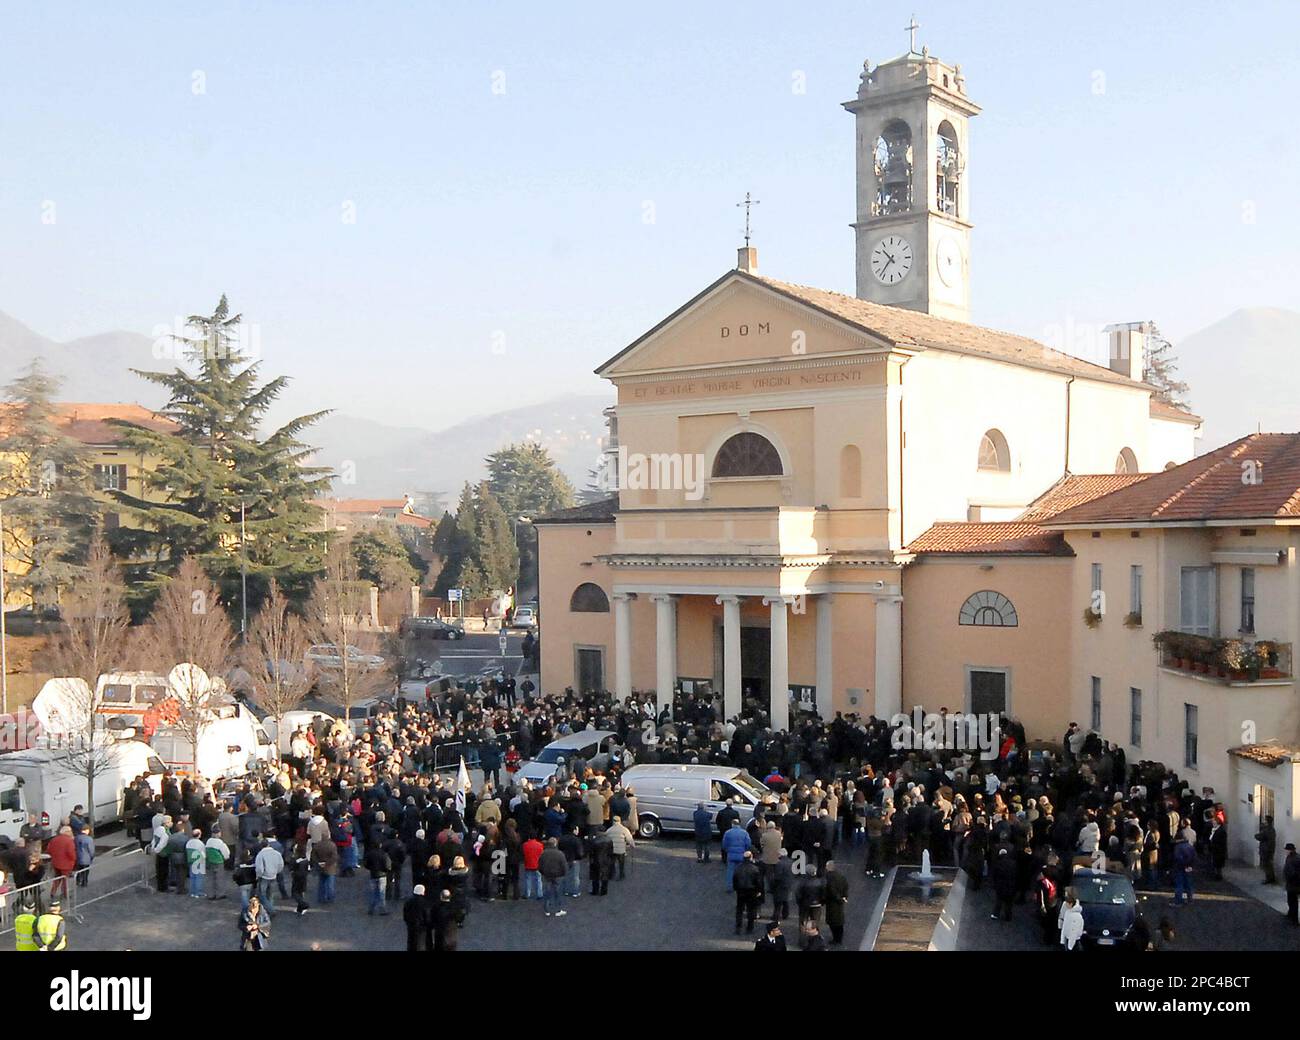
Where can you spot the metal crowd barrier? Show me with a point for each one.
(78, 890)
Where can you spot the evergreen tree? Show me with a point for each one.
(525, 481)
(217, 461)
(496, 552)
(50, 511)
(383, 559)
(1161, 369)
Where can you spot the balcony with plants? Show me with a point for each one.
(1230, 661)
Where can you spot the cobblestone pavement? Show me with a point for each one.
(668, 901)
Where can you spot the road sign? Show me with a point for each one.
(453, 595)
(501, 642)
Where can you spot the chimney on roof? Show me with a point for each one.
(1127, 348)
(747, 259)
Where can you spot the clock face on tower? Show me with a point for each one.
(891, 260)
(947, 258)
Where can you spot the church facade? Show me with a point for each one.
(835, 501)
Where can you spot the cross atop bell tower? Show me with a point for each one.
(913, 189)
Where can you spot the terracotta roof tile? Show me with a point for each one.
(1256, 477)
(599, 512)
(1267, 754)
(902, 327)
(1163, 410)
(996, 538)
(1076, 489)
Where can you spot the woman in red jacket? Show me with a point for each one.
(63, 858)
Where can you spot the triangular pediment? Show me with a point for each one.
(739, 320)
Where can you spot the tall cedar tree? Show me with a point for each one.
(1162, 369)
(525, 480)
(217, 460)
(50, 511)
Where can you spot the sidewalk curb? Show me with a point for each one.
(868, 943)
(948, 930)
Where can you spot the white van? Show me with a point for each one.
(229, 744)
(40, 785)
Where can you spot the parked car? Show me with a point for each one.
(1109, 906)
(430, 628)
(668, 795)
(585, 744)
(325, 657)
(524, 617)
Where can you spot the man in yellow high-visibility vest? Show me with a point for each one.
(25, 927)
(51, 930)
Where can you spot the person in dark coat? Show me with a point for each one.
(772, 941)
(1267, 838)
(417, 915)
(600, 864)
(837, 899)
(974, 853)
(783, 886)
(703, 821)
(446, 923)
(1003, 873)
(1291, 877)
(748, 884)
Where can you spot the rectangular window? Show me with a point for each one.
(1248, 599)
(1096, 704)
(1196, 600)
(110, 478)
(1135, 717)
(1096, 577)
(1135, 590)
(1189, 736)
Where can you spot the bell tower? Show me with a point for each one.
(913, 191)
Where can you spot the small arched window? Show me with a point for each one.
(947, 169)
(1126, 461)
(589, 598)
(988, 609)
(995, 456)
(850, 471)
(893, 167)
(747, 455)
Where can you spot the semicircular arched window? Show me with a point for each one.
(995, 455)
(988, 609)
(747, 455)
(589, 598)
(1126, 461)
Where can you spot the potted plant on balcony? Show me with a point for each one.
(1232, 658)
(1252, 662)
(1091, 618)
(1268, 657)
(1201, 650)
(1133, 619)
(1168, 646)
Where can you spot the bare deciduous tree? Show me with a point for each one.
(188, 627)
(95, 639)
(273, 657)
(338, 616)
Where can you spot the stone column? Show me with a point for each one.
(825, 674)
(665, 649)
(889, 656)
(731, 691)
(623, 645)
(780, 670)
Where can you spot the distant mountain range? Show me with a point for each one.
(1242, 371)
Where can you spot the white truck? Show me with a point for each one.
(293, 720)
(43, 785)
(230, 745)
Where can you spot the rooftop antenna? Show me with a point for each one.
(749, 202)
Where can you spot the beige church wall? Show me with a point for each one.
(567, 558)
(1169, 442)
(937, 651)
(949, 401)
(1104, 419)
(860, 422)
(696, 618)
(853, 653)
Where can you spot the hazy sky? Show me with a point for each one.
(1132, 161)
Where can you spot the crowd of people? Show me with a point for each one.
(847, 796)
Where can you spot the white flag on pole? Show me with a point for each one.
(462, 786)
